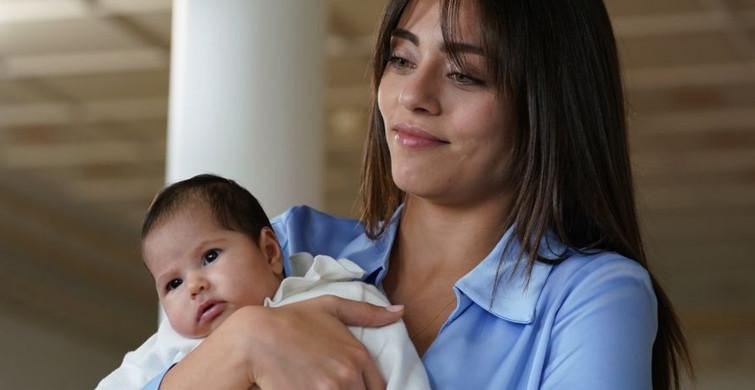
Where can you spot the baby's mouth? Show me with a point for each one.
(210, 309)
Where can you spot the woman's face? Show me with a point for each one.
(448, 131)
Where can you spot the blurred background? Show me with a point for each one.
(84, 89)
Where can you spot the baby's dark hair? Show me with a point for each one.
(232, 206)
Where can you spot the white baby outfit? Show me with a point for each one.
(390, 346)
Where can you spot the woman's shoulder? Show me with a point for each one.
(304, 229)
(303, 215)
(584, 276)
(599, 314)
(305, 219)
(578, 265)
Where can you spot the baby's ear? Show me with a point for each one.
(269, 245)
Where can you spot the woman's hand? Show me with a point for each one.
(298, 346)
(313, 349)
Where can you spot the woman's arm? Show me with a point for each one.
(603, 333)
(303, 345)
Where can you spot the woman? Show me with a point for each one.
(498, 209)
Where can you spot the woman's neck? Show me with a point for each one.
(435, 246)
(448, 237)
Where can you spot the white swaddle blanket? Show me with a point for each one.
(390, 347)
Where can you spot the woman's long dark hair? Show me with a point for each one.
(556, 62)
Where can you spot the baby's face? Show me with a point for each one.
(203, 273)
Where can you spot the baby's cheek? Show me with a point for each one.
(181, 328)
(181, 324)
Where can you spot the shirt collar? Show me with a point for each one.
(382, 246)
(515, 299)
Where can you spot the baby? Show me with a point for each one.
(211, 249)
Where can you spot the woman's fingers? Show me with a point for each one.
(356, 313)
(373, 380)
(307, 345)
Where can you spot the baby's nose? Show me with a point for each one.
(197, 284)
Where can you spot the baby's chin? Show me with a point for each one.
(193, 331)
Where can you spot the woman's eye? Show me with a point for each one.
(173, 284)
(210, 256)
(399, 62)
(463, 79)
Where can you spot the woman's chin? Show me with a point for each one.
(426, 192)
(415, 186)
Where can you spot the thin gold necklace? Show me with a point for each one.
(413, 335)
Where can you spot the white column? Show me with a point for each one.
(246, 94)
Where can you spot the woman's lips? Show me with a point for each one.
(209, 310)
(412, 137)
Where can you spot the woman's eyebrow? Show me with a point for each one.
(405, 34)
(461, 47)
(457, 47)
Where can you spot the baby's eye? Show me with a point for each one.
(210, 256)
(173, 284)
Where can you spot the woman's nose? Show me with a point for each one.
(420, 92)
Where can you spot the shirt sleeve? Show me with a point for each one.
(603, 333)
(154, 383)
(303, 229)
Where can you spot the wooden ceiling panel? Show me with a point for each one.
(61, 178)
(62, 36)
(34, 135)
(739, 176)
(677, 50)
(740, 5)
(15, 92)
(345, 132)
(45, 135)
(694, 197)
(691, 163)
(75, 154)
(691, 97)
(354, 18)
(652, 7)
(157, 24)
(124, 85)
(348, 71)
(676, 228)
(129, 212)
(115, 189)
(150, 129)
(721, 140)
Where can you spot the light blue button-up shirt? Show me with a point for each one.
(588, 322)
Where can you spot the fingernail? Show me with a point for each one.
(394, 308)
